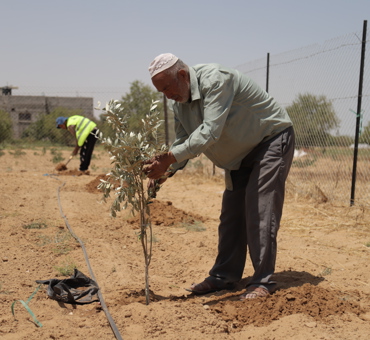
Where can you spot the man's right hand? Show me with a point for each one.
(75, 150)
(157, 166)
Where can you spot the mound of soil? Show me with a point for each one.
(316, 302)
(164, 213)
(161, 213)
(93, 185)
(61, 167)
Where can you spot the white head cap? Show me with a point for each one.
(161, 63)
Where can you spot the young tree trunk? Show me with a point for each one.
(145, 228)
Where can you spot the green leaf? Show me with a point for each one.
(25, 305)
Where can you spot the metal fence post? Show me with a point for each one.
(267, 72)
(358, 118)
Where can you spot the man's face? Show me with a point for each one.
(175, 88)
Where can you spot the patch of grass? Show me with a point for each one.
(44, 240)
(61, 240)
(62, 236)
(303, 163)
(35, 225)
(57, 155)
(367, 244)
(61, 249)
(194, 226)
(326, 271)
(2, 153)
(17, 152)
(155, 239)
(66, 268)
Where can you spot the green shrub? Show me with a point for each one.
(6, 130)
(67, 268)
(44, 129)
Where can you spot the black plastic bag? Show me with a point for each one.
(78, 289)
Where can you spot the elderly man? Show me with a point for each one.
(241, 129)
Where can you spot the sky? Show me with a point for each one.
(103, 46)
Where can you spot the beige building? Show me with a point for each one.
(25, 110)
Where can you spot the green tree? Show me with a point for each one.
(137, 101)
(105, 127)
(343, 141)
(44, 129)
(313, 118)
(6, 129)
(128, 151)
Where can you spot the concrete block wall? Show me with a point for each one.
(25, 110)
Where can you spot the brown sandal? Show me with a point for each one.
(254, 292)
(204, 287)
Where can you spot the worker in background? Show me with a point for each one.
(84, 132)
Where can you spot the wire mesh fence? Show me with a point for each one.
(317, 84)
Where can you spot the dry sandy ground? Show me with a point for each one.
(322, 269)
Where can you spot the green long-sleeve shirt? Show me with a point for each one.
(227, 116)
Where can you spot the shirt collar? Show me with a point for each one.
(194, 88)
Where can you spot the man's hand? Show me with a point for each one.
(75, 150)
(158, 165)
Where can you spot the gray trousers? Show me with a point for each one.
(251, 213)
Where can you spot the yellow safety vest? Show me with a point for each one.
(83, 127)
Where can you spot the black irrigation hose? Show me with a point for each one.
(102, 302)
